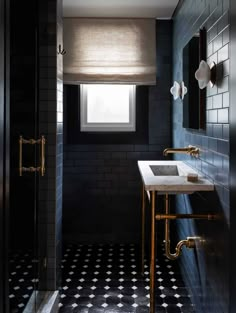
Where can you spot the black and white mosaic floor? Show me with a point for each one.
(21, 280)
(106, 279)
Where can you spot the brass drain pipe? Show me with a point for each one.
(169, 255)
(190, 242)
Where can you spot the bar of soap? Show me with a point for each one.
(193, 177)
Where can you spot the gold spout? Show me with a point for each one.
(191, 150)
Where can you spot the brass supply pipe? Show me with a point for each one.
(192, 150)
(186, 216)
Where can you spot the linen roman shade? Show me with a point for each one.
(109, 51)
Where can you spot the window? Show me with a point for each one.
(107, 108)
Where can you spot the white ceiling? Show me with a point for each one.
(119, 8)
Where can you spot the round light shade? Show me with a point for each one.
(203, 74)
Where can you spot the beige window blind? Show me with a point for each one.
(109, 51)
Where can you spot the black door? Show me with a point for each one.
(4, 154)
(26, 158)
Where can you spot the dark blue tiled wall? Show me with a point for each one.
(206, 269)
(102, 186)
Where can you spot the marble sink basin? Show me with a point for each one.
(165, 170)
(171, 177)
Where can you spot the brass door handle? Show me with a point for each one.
(32, 169)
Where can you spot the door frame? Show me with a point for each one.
(4, 154)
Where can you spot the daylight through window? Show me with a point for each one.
(107, 107)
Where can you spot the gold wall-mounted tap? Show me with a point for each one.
(191, 150)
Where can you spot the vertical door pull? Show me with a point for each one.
(41, 167)
(20, 155)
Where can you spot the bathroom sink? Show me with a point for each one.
(171, 177)
(165, 170)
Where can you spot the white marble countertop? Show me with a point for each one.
(172, 184)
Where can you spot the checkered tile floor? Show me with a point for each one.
(106, 279)
(21, 280)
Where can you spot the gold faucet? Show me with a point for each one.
(192, 150)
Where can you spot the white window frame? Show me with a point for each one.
(107, 127)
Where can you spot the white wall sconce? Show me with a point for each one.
(206, 74)
(178, 90)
